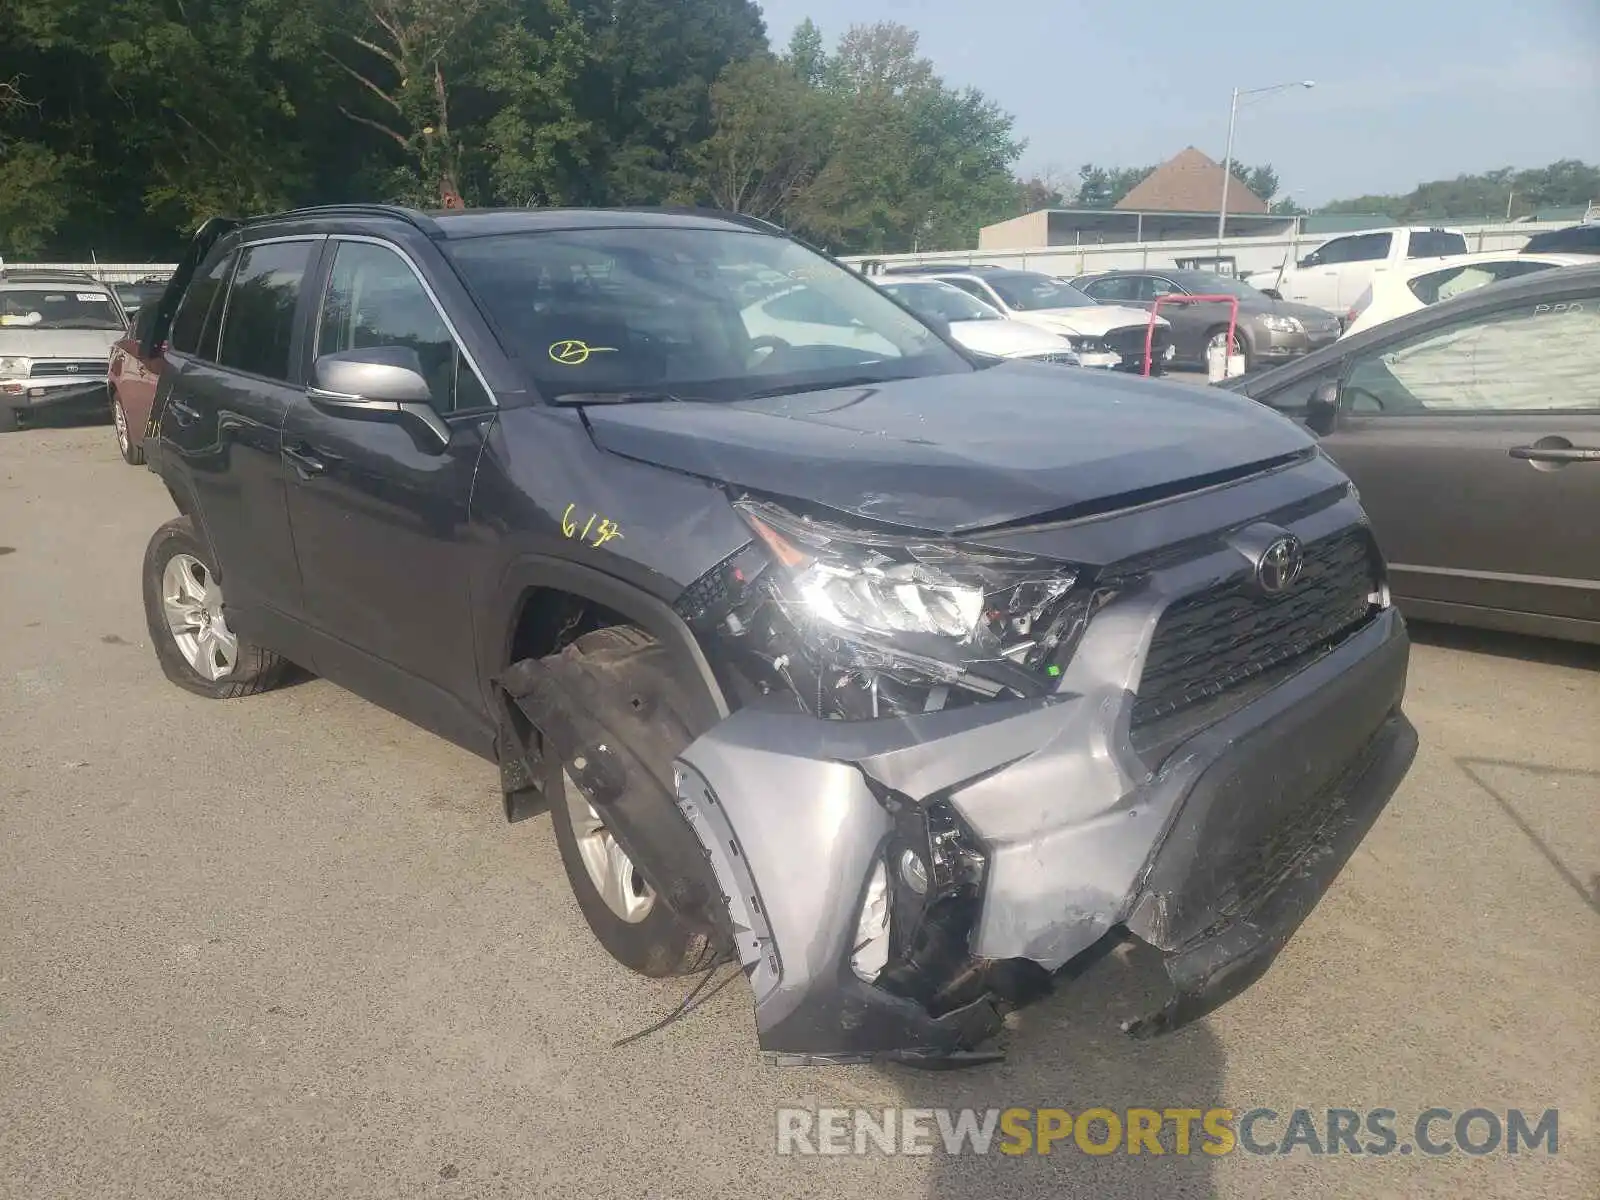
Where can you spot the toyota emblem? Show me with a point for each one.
(1280, 565)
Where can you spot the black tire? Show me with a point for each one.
(660, 945)
(255, 668)
(132, 452)
(10, 420)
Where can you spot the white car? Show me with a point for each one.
(1427, 281)
(979, 326)
(1339, 270)
(1102, 335)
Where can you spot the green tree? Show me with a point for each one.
(1102, 187)
(768, 139)
(647, 94)
(807, 57)
(1262, 180)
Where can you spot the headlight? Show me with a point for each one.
(884, 621)
(15, 368)
(1087, 345)
(1282, 324)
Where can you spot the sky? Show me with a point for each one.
(1406, 90)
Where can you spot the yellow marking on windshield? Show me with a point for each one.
(572, 352)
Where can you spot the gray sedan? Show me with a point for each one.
(1269, 331)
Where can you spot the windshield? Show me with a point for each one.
(58, 308)
(940, 300)
(1031, 292)
(715, 314)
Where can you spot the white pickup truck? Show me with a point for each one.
(1333, 275)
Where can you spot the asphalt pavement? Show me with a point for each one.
(286, 946)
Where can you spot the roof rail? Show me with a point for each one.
(410, 216)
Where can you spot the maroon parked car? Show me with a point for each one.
(131, 385)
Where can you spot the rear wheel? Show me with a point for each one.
(188, 621)
(132, 453)
(635, 925)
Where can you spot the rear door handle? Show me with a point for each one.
(305, 461)
(1556, 454)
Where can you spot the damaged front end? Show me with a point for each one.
(935, 794)
(953, 771)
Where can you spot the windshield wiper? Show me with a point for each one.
(630, 398)
(790, 389)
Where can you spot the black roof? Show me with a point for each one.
(483, 222)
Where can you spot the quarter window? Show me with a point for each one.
(258, 323)
(374, 299)
(1540, 356)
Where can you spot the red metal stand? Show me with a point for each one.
(1150, 330)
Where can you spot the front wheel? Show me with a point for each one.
(188, 621)
(635, 925)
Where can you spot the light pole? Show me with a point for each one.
(1227, 160)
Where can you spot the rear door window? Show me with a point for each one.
(1435, 243)
(1117, 287)
(200, 298)
(258, 321)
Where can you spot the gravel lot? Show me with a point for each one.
(286, 946)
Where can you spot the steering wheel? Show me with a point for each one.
(777, 345)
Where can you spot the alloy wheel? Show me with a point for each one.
(192, 601)
(610, 869)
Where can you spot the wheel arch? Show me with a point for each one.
(530, 582)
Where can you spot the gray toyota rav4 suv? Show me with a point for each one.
(906, 679)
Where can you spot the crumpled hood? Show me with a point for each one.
(1007, 338)
(28, 342)
(1089, 321)
(957, 452)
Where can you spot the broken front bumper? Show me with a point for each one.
(1214, 854)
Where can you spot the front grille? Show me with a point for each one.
(56, 367)
(1214, 641)
(1128, 341)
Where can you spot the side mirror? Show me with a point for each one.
(382, 383)
(1322, 410)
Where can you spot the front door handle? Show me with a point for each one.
(185, 414)
(1556, 454)
(305, 461)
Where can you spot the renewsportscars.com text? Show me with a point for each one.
(1215, 1131)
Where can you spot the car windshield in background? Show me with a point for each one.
(719, 314)
(58, 308)
(1029, 293)
(941, 301)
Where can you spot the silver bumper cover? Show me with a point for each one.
(1213, 854)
